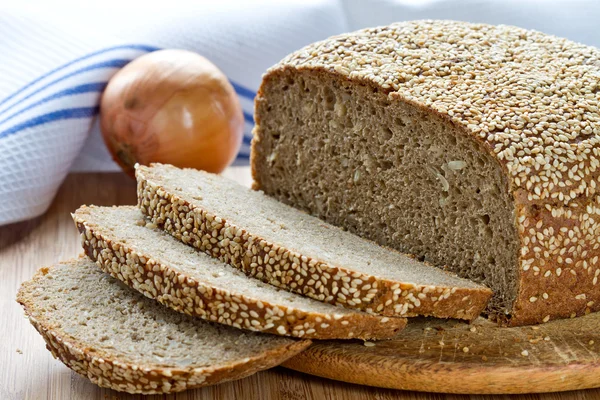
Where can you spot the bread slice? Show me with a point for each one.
(163, 268)
(293, 250)
(119, 339)
(470, 145)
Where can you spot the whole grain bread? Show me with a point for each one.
(119, 339)
(295, 251)
(186, 280)
(469, 145)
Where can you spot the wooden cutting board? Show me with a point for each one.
(455, 357)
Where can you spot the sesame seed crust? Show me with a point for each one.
(559, 262)
(532, 98)
(533, 101)
(290, 270)
(103, 369)
(182, 293)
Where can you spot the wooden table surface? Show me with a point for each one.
(28, 371)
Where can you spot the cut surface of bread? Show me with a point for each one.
(291, 249)
(120, 339)
(468, 145)
(420, 192)
(153, 262)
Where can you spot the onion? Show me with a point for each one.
(173, 107)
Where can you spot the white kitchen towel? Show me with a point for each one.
(58, 56)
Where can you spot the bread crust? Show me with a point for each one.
(184, 294)
(198, 227)
(555, 213)
(105, 370)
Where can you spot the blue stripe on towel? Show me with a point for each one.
(248, 117)
(116, 63)
(121, 47)
(68, 113)
(85, 88)
(83, 112)
(242, 91)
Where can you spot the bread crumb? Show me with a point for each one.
(547, 338)
(524, 353)
(473, 329)
(591, 342)
(465, 349)
(535, 328)
(21, 351)
(369, 344)
(456, 165)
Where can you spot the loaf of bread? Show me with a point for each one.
(119, 339)
(163, 268)
(295, 251)
(467, 145)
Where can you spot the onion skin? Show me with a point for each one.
(173, 107)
